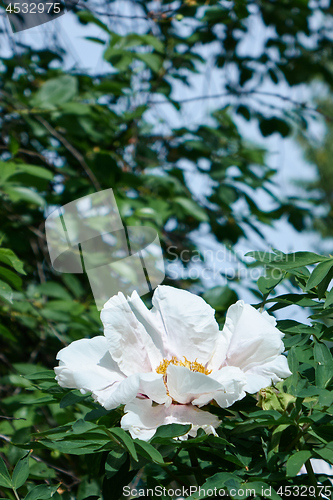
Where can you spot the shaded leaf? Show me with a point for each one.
(21, 472)
(4, 475)
(295, 462)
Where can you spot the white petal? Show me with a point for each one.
(190, 325)
(142, 419)
(151, 320)
(219, 353)
(125, 392)
(152, 386)
(252, 338)
(128, 341)
(263, 375)
(233, 380)
(86, 364)
(268, 317)
(185, 386)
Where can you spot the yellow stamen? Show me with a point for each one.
(194, 366)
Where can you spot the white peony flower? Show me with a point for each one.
(174, 355)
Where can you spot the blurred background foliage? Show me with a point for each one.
(66, 133)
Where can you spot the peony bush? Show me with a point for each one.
(175, 400)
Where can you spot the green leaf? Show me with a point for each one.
(53, 289)
(326, 454)
(295, 462)
(6, 291)
(8, 169)
(55, 92)
(270, 125)
(220, 297)
(244, 111)
(4, 332)
(4, 475)
(21, 472)
(318, 274)
(322, 354)
(153, 61)
(82, 426)
(148, 451)
(19, 193)
(73, 398)
(268, 282)
(114, 461)
(85, 16)
(8, 257)
(329, 299)
(77, 446)
(217, 481)
(170, 431)
(11, 277)
(42, 492)
(153, 41)
(128, 442)
(324, 367)
(73, 284)
(287, 261)
(43, 375)
(119, 59)
(40, 172)
(192, 208)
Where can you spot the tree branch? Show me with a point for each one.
(62, 140)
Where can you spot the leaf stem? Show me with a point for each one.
(312, 477)
(176, 478)
(196, 466)
(15, 493)
(115, 440)
(265, 297)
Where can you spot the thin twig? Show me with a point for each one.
(59, 469)
(56, 334)
(196, 467)
(151, 16)
(38, 459)
(245, 93)
(12, 418)
(72, 150)
(5, 438)
(38, 155)
(62, 140)
(40, 270)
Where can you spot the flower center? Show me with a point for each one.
(194, 366)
